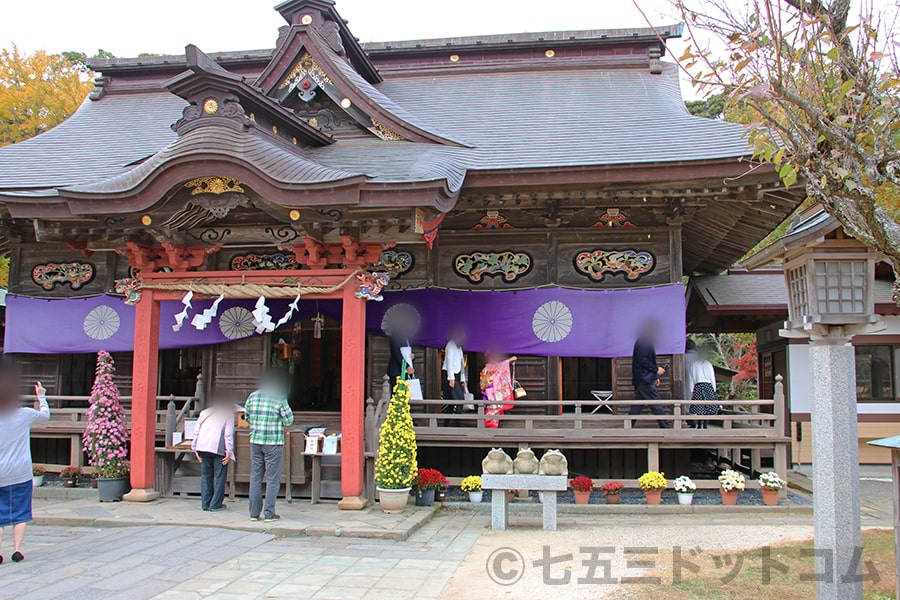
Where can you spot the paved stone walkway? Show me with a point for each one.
(137, 563)
(298, 518)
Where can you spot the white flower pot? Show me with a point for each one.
(393, 501)
(37, 480)
(685, 499)
(475, 496)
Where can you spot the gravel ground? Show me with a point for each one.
(525, 562)
(701, 497)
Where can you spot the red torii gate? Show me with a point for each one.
(353, 343)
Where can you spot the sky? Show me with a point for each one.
(129, 27)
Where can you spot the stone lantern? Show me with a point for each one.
(830, 279)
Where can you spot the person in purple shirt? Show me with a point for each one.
(213, 446)
(15, 456)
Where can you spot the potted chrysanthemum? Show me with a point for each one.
(581, 487)
(37, 475)
(428, 481)
(770, 484)
(105, 437)
(685, 489)
(612, 491)
(472, 486)
(653, 483)
(732, 483)
(396, 465)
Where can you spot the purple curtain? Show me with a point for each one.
(544, 322)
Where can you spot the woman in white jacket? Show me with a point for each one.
(702, 383)
(15, 456)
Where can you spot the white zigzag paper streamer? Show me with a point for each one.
(201, 320)
(292, 308)
(180, 317)
(264, 323)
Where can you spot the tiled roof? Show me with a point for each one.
(760, 288)
(513, 120)
(100, 140)
(279, 163)
(744, 289)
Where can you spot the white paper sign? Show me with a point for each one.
(312, 445)
(190, 428)
(331, 445)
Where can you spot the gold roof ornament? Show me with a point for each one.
(213, 185)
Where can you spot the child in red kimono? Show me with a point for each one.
(497, 387)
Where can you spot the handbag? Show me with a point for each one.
(518, 390)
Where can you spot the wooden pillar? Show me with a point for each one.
(143, 403)
(353, 366)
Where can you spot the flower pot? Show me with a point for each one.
(112, 490)
(94, 482)
(37, 480)
(685, 499)
(70, 482)
(393, 501)
(653, 496)
(475, 496)
(440, 495)
(582, 497)
(729, 498)
(425, 497)
(613, 498)
(510, 495)
(770, 497)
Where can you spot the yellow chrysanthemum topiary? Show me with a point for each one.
(653, 480)
(396, 465)
(472, 483)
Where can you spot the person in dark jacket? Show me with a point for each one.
(645, 374)
(395, 362)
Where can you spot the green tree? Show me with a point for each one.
(37, 92)
(711, 107)
(820, 97)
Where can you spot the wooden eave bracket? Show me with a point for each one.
(172, 256)
(351, 253)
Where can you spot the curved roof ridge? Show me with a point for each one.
(288, 166)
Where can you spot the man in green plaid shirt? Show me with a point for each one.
(267, 410)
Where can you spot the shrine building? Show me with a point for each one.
(547, 191)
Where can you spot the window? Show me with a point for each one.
(875, 373)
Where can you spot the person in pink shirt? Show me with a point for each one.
(213, 446)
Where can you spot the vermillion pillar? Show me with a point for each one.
(143, 402)
(353, 367)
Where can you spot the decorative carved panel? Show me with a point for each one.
(76, 274)
(277, 261)
(597, 264)
(613, 218)
(213, 185)
(509, 265)
(492, 219)
(395, 262)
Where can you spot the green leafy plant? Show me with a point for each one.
(396, 466)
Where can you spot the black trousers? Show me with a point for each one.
(648, 391)
(455, 393)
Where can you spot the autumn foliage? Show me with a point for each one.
(37, 92)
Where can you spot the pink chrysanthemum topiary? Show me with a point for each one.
(105, 438)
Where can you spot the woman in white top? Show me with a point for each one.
(702, 382)
(15, 456)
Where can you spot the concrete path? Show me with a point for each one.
(298, 518)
